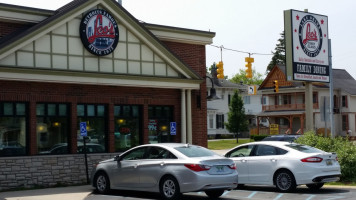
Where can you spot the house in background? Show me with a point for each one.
(287, 107)
(217, 110)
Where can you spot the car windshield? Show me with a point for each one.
(304, 148)
(194, 151)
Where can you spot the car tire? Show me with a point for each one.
(285, 181)
(169, 188)
(102, 183)
(315, 186)
(213, 194)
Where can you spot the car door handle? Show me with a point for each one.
(243, 160)
(274, 160)
(162, 164)
(136, 165)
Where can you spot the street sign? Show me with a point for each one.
(83, 129)
(273, 129)
(173, 128)
(251, 90)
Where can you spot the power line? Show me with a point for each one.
(222, 47)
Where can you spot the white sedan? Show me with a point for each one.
(284, 165)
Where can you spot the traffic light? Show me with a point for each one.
(276, 86)
(220, 70)
(249, 60)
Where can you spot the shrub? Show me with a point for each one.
(257, 137)
(345, 150)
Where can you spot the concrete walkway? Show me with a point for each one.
(60, 193)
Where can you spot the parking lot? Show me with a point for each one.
(248, 192)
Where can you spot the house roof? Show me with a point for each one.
(223, 83)
(342, 80)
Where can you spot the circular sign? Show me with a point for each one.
(310, 36)
(99, 32)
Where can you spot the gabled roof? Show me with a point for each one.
(342, 80)
(222, 83)
(69, 11)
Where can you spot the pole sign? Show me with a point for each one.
(306, 37)
(173, 128)
(83, 129)
(251, 90)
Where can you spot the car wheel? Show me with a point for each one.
(214, 193)
(169, 188)
(315, 186)
(102, 183)
(285, 181)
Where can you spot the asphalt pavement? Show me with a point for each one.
(58, 193)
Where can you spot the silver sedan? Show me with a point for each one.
(167, 168)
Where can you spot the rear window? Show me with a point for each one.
(195, 151)
(304, 148)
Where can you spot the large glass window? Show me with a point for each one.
(12, 129)
(95, 118)
(52, 128)
(127, 126)
(159, 118)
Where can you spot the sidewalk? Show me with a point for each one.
(60, 193)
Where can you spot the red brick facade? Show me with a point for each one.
(35, 92)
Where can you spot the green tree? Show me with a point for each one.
(279, 55)
(256, 79)
(237, 121)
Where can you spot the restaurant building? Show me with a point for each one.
(91, 61)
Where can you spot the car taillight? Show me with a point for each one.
(197, 168)
(312, 159)
(232, 166)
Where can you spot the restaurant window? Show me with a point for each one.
(95, 118)
(127, 126)
(52, 128)
(159, 118)
(13, 129)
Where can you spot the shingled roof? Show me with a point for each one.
(344, 81)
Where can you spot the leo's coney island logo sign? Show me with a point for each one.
(310, 53)
(99, 32)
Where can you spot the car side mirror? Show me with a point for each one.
(117, 158)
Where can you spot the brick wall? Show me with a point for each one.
(195, 57)
(34, 92)
(46, 171)
(8, 28)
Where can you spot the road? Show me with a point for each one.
(248, 192)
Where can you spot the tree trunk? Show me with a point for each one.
(237, 138)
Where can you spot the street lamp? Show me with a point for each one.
(212, 95)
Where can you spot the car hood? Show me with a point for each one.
(108, 160)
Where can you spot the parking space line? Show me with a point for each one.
(278, 197)
(251, 195)
(310, 197)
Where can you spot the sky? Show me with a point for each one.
(241, 25)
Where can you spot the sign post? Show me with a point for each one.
(84, 133)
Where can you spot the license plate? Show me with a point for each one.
(329, 162)
(219, 169)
